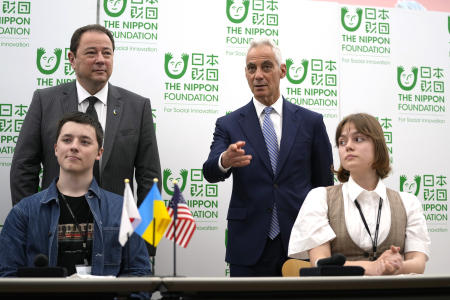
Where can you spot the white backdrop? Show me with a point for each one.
(188, 57)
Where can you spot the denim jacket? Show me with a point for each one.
(31, 228)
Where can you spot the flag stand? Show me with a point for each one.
(186, 226)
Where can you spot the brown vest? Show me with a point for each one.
(344, 244)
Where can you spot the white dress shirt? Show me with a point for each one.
(100, 106)
(276, 115)
(312, 229)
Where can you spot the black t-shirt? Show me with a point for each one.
(70, 242)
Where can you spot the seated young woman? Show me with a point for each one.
(380, 229)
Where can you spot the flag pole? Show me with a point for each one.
(153, 257)
(128, 249)
(175, 215)
(175, 247)
(155, 180)
(126, 181)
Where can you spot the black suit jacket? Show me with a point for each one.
(129, 143)
(304, 163)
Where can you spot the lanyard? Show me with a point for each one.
(77, 224)
(377, 227)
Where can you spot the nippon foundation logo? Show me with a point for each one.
(248, 20)
(430, 79)
(313, 83)
(237, 10)
(48, 62)
(407, 79)
(138, 9)
(15, 23)
(262, 12)
(376, 20)
(192, 82)
(201, 196)
(366, 31)
(175, 67)
(114, 8)
(432, 188)
(11, 120)
(410, 185)
(132, 21)
(422, 91)
(54, 66)
(296, 72)
(169, 177)
(351, 19)
(199, 188)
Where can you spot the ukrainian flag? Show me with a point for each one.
(155, 217)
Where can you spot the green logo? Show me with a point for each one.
(351, 20)
(406, 80)
(237, 10)
(411, 187)
(296, 74)
(175, 68)
(114, 8)
(48, 63)
(167, 176)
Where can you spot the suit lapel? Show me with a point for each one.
(69, 100)
(113, 115)
(290, 127)
(251, 127)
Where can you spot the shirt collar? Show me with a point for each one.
(101, 95)
(355, 190)
(277, 106)
(52, 191)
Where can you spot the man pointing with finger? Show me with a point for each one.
(277, 152)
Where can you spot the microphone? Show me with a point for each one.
(41, 269)
(41, 260)
(332, 266)
(336, 259)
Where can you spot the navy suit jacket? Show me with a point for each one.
(305, 161)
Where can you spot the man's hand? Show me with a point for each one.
(235, 156)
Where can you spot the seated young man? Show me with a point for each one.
(74, 222)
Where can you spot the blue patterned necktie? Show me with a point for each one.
(272, 147)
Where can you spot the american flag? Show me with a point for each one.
(185, 224)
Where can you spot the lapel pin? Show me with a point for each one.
(115, 112)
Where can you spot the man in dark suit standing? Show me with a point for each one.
(277, 152)
(129, 142)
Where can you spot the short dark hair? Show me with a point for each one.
(76, 36)
(370, 127)
(81, 118)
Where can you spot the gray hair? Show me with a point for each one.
(267, 42)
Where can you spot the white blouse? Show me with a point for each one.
(312, 229)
